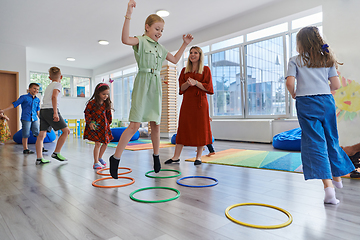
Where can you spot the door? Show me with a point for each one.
(9, 82)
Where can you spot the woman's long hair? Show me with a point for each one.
(98, 89)
(313, 50)
(201, 61)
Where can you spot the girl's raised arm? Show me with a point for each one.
(174, 59)
(125, 36)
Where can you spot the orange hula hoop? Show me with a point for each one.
(114, 186)
(108, 174)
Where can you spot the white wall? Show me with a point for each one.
(70, 107)
(13, 58)
(341, 29)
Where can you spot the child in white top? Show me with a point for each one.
(50, 117)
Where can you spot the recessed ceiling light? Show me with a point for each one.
(70, 59)
(162, 13)
(103, 42)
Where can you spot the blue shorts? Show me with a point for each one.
(321, 155)
(27, 125)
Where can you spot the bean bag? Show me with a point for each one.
(173, 139)
(50, 137)
(116, 132)
(289, 140)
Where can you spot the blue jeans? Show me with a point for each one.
(321, 155)
(27, 125)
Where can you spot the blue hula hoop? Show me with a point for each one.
(197, 186)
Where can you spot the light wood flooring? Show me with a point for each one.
(58, 201)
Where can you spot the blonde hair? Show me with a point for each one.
(201, 61)
(153, 18)
(54, 73)
(313, 50)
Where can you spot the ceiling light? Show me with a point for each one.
(70, 59)
(162, 13)
(103, 42)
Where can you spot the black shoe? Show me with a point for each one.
(44, 150)
(28, 151)
(171, 161)
(355, 174)
(114, 164)
(197, 162)
(157, 164)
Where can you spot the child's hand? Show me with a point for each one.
(131, 6)
(92, 126)
(187, 38)
(293, 95)
(56, 117)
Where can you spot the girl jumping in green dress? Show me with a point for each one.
(147, 91)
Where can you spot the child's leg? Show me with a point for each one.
(96, 151)
(124, 140)
(25, 133)
(39, 144)
(339, 161)
(155, 139)
(62, 139)
(102, 150)
(329, 192)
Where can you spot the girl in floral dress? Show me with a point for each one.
(4, 128)
(98, 119)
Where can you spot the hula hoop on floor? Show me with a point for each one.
(259, 226)
(171, 170)
(114, 186)
(108, 174)
(197, 186)
(154, 201)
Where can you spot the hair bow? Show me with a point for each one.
(325, 47)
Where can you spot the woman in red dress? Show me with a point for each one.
(195, 82)
(98, 119)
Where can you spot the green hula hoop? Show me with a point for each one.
(171, 170)
(154, 201)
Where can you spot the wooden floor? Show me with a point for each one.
(57, 200)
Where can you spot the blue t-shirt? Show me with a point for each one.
(29, 106)
(310, 81)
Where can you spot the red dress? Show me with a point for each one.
(102, 118)
(194, 121)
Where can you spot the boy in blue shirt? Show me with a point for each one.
(30, 106)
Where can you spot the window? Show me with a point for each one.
(225, 70)
(69, 83)
(265, 77)
(121, 96)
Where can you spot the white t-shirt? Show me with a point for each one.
(47, 102)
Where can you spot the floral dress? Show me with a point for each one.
(102, 118)
(4, 130)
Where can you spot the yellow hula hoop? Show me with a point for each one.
(259, 226)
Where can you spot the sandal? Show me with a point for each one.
(102, 162)
(97, 166)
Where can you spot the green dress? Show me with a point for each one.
(147, 92)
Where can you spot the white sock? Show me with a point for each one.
(330, 196)
(337, 184)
